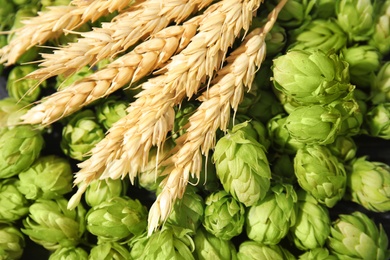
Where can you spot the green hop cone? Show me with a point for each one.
(223, 217)
(251, 250)
(19, 148)
(181, 119)
(324, 9)
(52, 225)
(282, 168)
(13, 205)
(276, 40)
(242, 166)
(170, 242)
(11, 110)
(281, 139)
(12, 242)
(381, 35)
(268, 221)
(320, 253)
(49, 177)
(320, 174)
(356, 236)
(27, 90)
(364, 61)
(108, 251)
(343, 147)
(311, 77)
(63, 81)
(377, 121)
(324, 35)
(188, 211)
(118, 219)
(99, 191)
(314, 124)
(80, 135)
(266, 107)
(312, 226)
(380, 86)
(69, 253)
(208, 246)
(110, 111)
(357, 18)
(368, 184)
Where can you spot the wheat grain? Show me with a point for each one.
(145, 128)
(128, 68)
(52, 23)
(226, 93)
(112, 38)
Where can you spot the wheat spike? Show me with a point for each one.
(128, 68)
(52, 23)
(112, 38)
(145, 128)
(226, 93)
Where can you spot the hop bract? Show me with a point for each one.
(208, 246)
(269, 220)
(12, 242)
(369, 184)
(52, 225)
(19, 148)
(49, 177)
(223, 216)
(356, 236)
(242, 166)
(320, 174)
(311, 77)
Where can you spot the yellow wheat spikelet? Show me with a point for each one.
(52, 23)
(226, 93)
(112, 38)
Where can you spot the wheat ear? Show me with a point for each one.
(151, 116)
(214, 112)
(128, 68)
(52, 23)
(117, 36)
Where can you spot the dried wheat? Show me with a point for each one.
(52, 23)
(226, 93)
(128, 68)
(117, 36)
(145, 128)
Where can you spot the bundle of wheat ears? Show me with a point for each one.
(185, 45)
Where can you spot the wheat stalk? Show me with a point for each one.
(128, 68)
(226, 93)
(112, 38)
(52, 23)
(145, 128)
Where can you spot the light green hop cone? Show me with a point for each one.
(312, 226)
(381, 35)
(356, 236)
(320, 174)
(110, 111)
(344, 147)
(377, 121)
(12, 242)
(69, 253)
(223, 217)
(99, 191)
(251, 250)
(242, 166)
(368, 184)
(19, 148)
(13, 205)
(49, 177)
(52, 225)
(380, 86)
(268, 221)
(208, 246)
(11, 110)
(109, 251)
(320, 253)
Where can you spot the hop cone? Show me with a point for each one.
(110, 111)
(13, 205)
(69, 253)
(381, 35)
(81, 134)
(118, 219)
(312, 225)
(377, 121)
(49, 177)
(12, 242)
(311, 77)
(268, 221)
(109, 251)
(242, 166)
(52, 225)
(266, 107)
(223, 216)
(63, 81)
(380, 87)
(208, 246)
(99, 191)
(368, 183)
(320, 174)
(320, 253)
(356, 236)
(19, 147)
(11, 110)
(251, 250)
(181, 119)
(343, 147)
